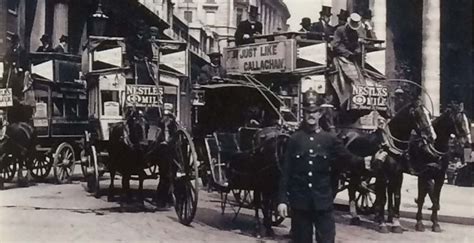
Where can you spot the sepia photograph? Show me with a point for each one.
(189, 121)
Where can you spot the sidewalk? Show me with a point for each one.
(457, 203)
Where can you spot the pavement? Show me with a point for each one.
(457, 203)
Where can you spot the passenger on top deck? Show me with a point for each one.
(248, 29)
(347, 39)
(305, 24)
(45, 44)
(342, 18)
(140, 54)
(368, 24)
(323, 26)
(213, 72)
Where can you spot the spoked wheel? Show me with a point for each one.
(92, 171)
(40, 166)
(365, 196)
(186, 180)
(244, 198)
(8, 167)
(64, 163)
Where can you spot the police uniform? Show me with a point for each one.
(312, 156)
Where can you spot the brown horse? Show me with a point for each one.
(430, 160)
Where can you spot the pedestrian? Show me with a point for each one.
(45, 44)
(213, 72)
(313, 156)
(62, 46)
(248, 29)
(323, 26)
(305, 24)
(342, 18)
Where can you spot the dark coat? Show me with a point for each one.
(245, 27)
(208, 72)
(310, 160)
(60, 49)
(346, 41)
(322, 27)
(46, 49)
(16, 63)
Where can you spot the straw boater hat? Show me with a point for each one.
(354, 21)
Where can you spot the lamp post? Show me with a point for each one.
(99, 21)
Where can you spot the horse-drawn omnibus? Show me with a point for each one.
(134, 127)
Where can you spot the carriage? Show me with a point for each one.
(112, 90)
(59, 118)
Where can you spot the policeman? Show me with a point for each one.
(312, 157)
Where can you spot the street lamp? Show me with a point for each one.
(99, 21)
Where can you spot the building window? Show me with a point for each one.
(12, 6)
(239, 15)
(210, 18)
(211, 1)
(188, 16)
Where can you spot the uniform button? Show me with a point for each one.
(310, 173)
(311, 151)
(297, 156)
(325, 157)
(311, 138)
(310, 162)
(310, 185)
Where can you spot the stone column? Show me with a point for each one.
(380, 19)
(39, 27)
(61, 10)
(430, 76)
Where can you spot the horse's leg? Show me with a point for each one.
(141, 178)
(354, 182)
(396, 185)
(380, 193)
(267, 213)
(438, 184)
(422, 191)
(110, 196)
(126, 187)
(257, 203)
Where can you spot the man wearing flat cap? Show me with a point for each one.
(45, 44)
(311, 159)
(213, 72)
(347, 38)
(248, 29)
(323, 26)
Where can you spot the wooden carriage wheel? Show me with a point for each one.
(8, 169)
(64, 162)
(40, 166)
(365, 195)
(186, 180)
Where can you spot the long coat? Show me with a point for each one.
(311, 158)
(246, 27)
(208, 72)
(322, 27)
(346, 41)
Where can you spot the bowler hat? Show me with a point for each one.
(326, 11)
(354, 21)
(305, 20)
(45, 38)
(312, 101)
(63, 38)
(253, 11)
(343, 14)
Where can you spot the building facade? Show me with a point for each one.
(223, 16)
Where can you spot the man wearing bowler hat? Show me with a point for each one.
(305, 24)
(311, 159)
(248, 29)
(45, 44)
(342, 18)
(213, 72)
(323, 26)
(62, 46)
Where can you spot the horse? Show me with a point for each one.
(431, 160)
(259, 170)
(393, 160)
(130, 153)
(17, 145)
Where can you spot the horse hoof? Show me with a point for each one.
(420, 227)
(436, 228)
(355, 221)
(384, 229)
(397, 229)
